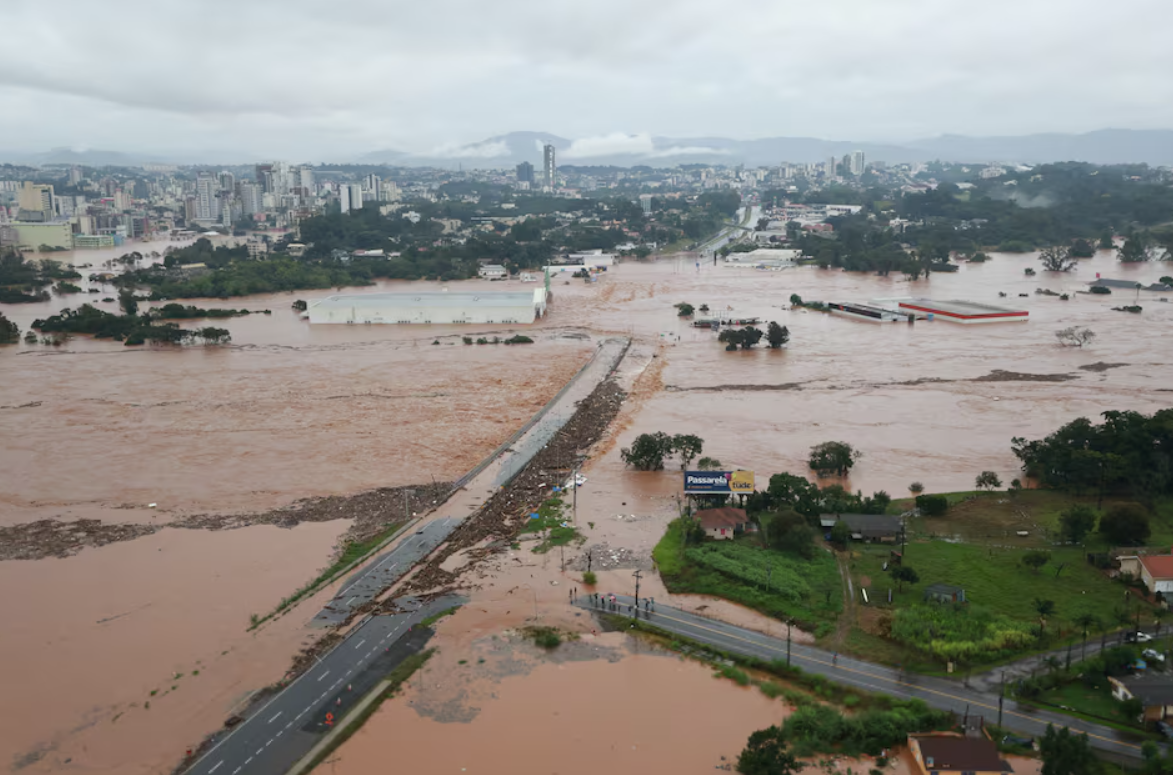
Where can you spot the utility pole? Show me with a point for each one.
(1001, 698)
(637, 576)
(574, 498)
(788, 621)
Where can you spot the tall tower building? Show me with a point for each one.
(829, 171)
(355, 196)
(251, 200)
(525, 172)
(373, 186)
(207, 197)
(857, 163)
(227, 181)
(645, 203)
(549, 168)
(344, 198)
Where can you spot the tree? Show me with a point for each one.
(684, 309)
(1086, 623)
(9, 331)
(1131, 709)
(1067, 753)
(128, 302)
(916, 488)
(840, 534)
(777, 335)
(1076, 522)
(687, 446)
(787, 531)
(1075, 336)
(1126, 524)
(1135, 249)
(731, 337)
(1035, 559)
(1081, 248)
(988, 480)
(795, 300)
(1044, 608)
(1056, 259)
(932, 505)
(212, 335)
(833, 458)
(1106, 242)
(902, 573)
(648, 451)
(709, 464)
(765, 754)
(750, 336)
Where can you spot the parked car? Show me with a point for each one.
(1137, 637)
(1154, 655)
(1025, 742)
(1165, 729)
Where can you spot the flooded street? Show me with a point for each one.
(287, 411)
(639, 714)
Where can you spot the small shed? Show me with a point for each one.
(944, 593)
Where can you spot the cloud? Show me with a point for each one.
(687, 150)
(402, 74)
(474, 151)
(614, 144)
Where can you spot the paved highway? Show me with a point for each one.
(273, 738)
(938, 692)
(385, 570)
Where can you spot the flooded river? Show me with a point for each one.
(288, 411)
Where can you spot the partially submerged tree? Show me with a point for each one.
(766, 754)
(777, 335)
(687, 446)
(1057, 259)
(833, 458)
(1075, 336)
(709, 464)
(648, 451)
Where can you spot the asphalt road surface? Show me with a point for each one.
(938, 692)
(274, 737)
(385, 570)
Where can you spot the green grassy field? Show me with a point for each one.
(549, 522)
(778, 584)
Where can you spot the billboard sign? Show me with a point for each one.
(718, 482)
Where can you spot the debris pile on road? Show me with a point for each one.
(373, 512)
(603, 557)
(502, 516)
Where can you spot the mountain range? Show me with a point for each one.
(1106, 146)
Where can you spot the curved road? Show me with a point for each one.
(938, 692)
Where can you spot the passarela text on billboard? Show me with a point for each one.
(718, 482)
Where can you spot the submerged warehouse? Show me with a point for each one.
(439, 307)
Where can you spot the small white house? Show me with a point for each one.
(493, 272)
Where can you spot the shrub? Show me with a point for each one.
(1100, 290)
(589, 578)
(467, 339)
(519, 339)
(932, 505)
(1127, 523)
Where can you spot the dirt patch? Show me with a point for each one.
(1102, 366)
(605, 557)
(373, 512)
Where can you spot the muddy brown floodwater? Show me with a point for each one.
(98, 430)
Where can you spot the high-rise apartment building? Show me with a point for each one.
(829, 170)
(344, 198)
(525, 172)
(549, 168)
(227, 181)
(36, 202)
(251, 199)
(857, 163)
(74, 175)
(645, 202)
(355, 196)
(207, 207)
(305, 180)
(372, 185)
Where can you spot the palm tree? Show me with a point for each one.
(1052, 663)
(1085, 622)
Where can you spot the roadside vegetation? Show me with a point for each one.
(552, 526)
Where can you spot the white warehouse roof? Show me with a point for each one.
(436, 299)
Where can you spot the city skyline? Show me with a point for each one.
(753, 70)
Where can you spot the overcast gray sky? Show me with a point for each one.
(309, 80)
